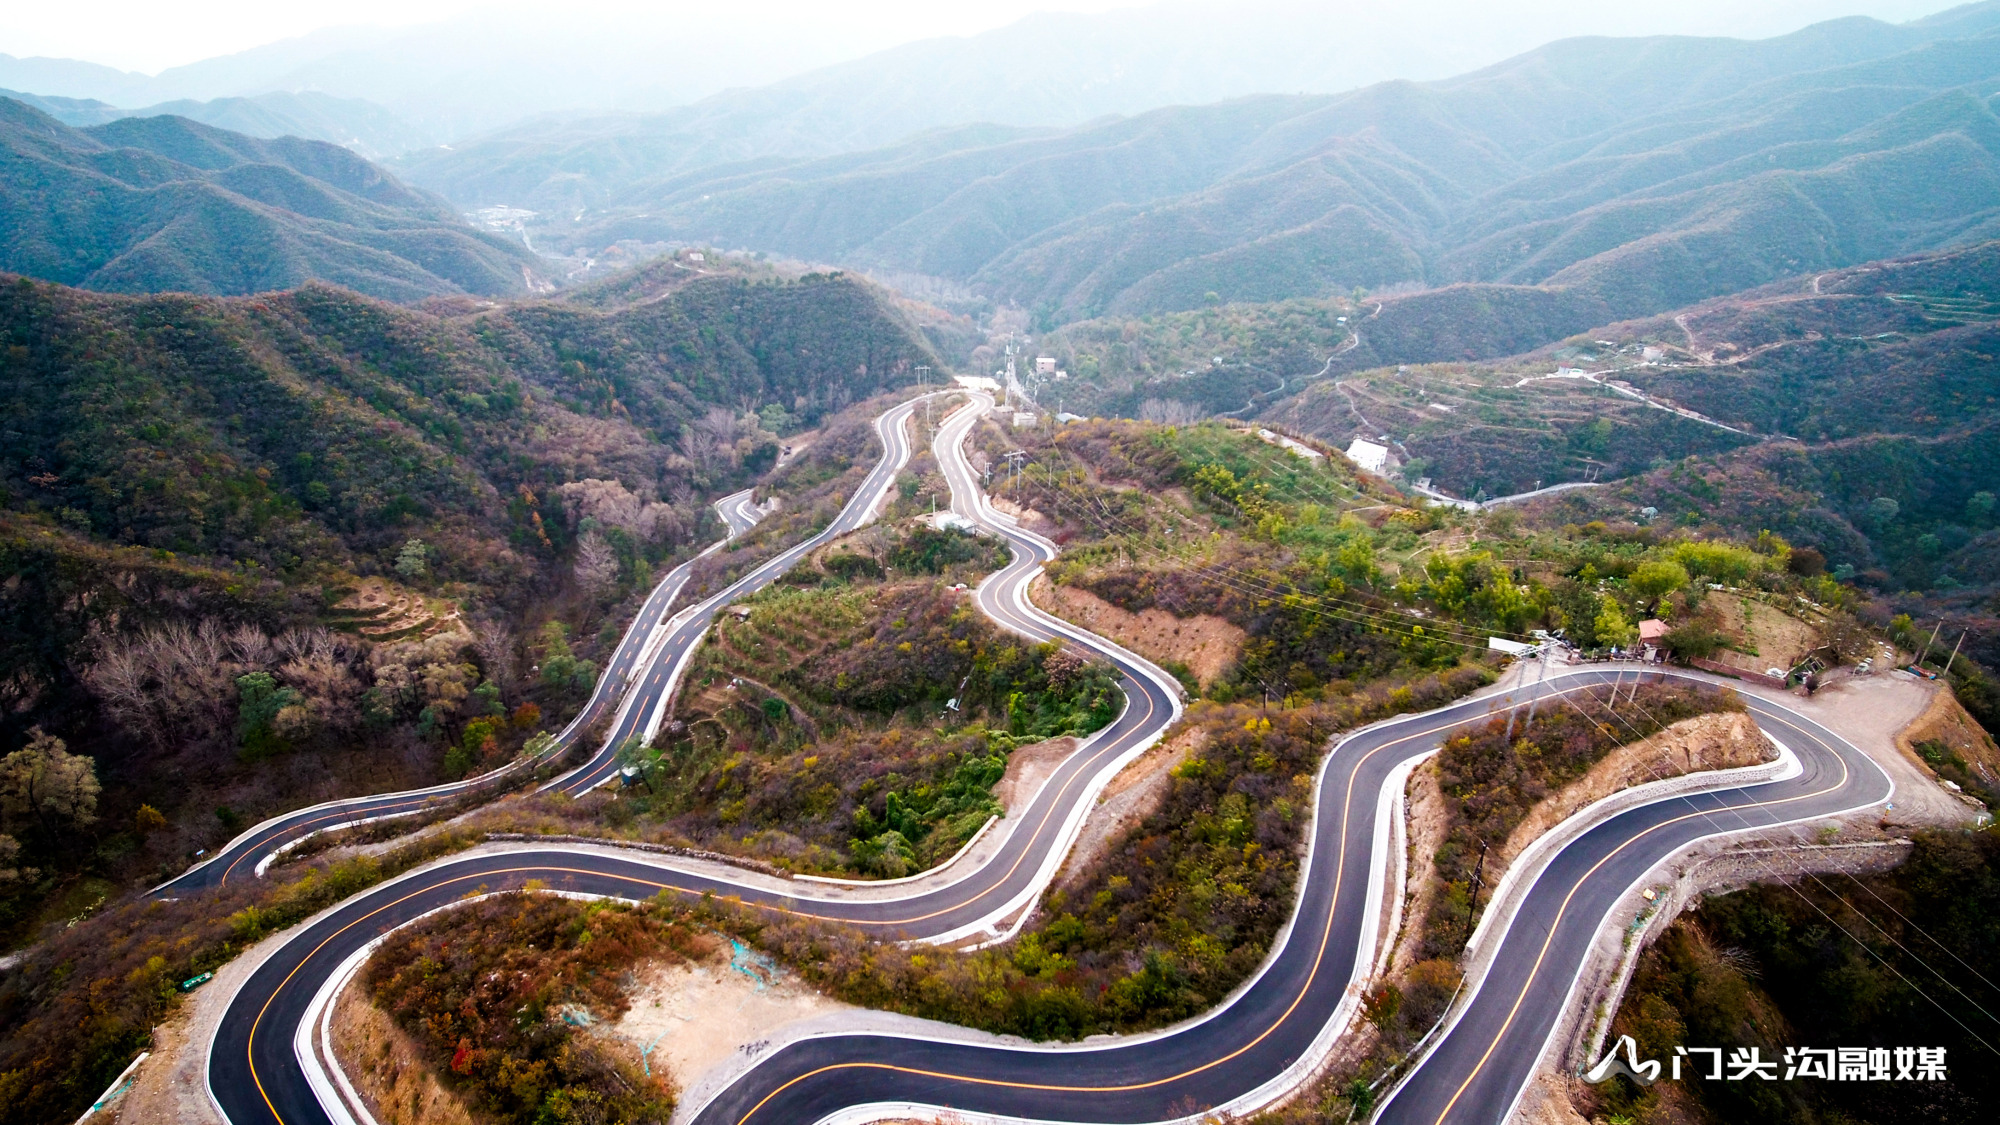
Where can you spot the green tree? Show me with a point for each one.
(260, 705)
(561, 670)
(1578, 605)
(413, 561)
(1611, 626)
(1655, 580)
(886, 853)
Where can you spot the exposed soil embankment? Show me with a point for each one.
(1724, 740)
(1132, 796)
(1946, 721)
(386, 1068)
(1208, 645)
(1425, 825)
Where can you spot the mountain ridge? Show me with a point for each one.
(1645, 173)
(164, 203)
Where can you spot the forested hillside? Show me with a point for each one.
(149, 204)
(1853, 412)
(245, 538)
(1639, 173)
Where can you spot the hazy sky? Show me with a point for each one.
(149, 35)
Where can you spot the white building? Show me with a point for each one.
(1045, 365)
(1023, 419)
(1368, 456)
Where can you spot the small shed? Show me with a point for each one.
(1652, 631)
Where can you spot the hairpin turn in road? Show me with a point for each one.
(262, 1065)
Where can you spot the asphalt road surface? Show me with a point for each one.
(243, 856)
(643, 707)
(1236, 1057)
(643, 654)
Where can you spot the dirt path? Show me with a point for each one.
(1872, 712)
(1027, 768)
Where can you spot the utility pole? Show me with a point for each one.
(924, 389)
(1541, 673)
(1472, 900)
(1932, 641)
(1954, 650)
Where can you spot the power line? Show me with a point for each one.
(1379, 617)
(1748, 826)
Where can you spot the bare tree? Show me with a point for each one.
(122, 679)
(611, 504)
(494, 643)
(596, 565)
(175, 680)
(701, 449)
(1170, 412)
(250, 646)
(721, 425)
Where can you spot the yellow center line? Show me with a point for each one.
(1542, 955)
(1319, 957)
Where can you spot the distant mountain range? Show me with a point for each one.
(145, 204)
(352, 123)
(1646, 173)
(697, 85)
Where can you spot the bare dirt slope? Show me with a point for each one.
(1132, 796)
(1719, 741)
(1205, 643)
(1946, 721)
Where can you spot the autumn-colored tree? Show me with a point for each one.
(45, 785)
(148, 820)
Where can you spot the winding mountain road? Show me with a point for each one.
(247, 854)
(266, 1065)
(648, 659)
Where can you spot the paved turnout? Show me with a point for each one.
(1237, 1057)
